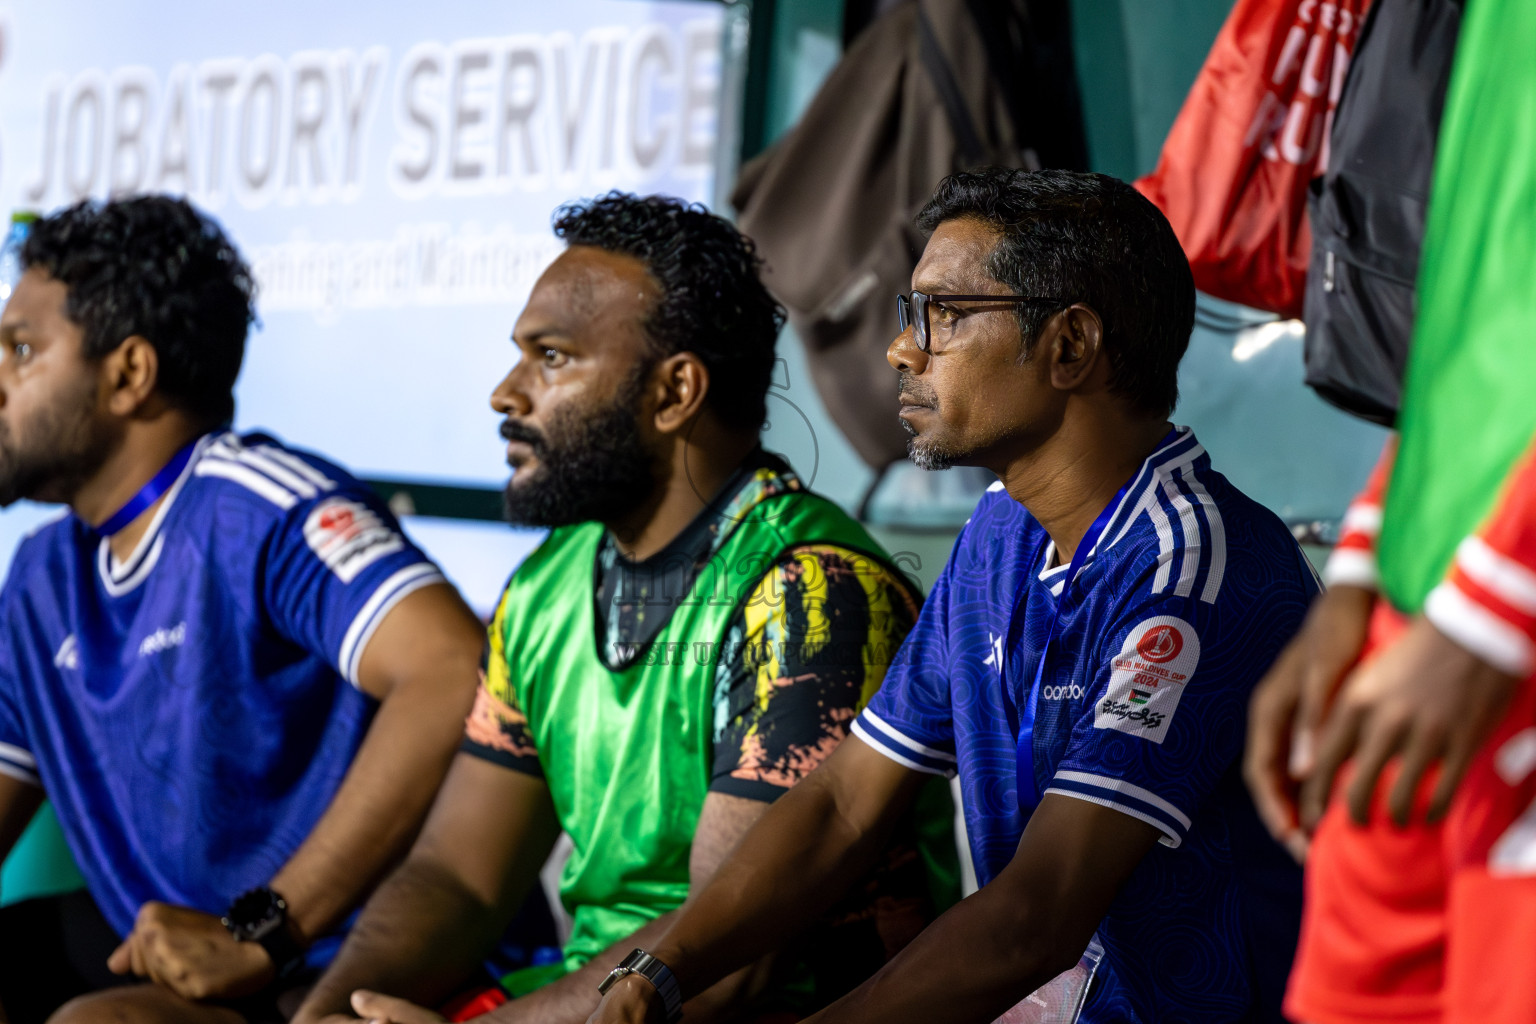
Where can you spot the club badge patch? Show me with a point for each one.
(1148, 678)
(348, 536)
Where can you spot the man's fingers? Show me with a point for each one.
(1337, 744)
(379, 1007)
(1458, 756)
(1269, 718)
(1380, 739)
(1423, 747)
(121, 960)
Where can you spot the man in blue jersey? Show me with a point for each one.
(235, 679)
(1083, 662)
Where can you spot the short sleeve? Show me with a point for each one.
(1167, 713)
(337, 565)
(16, 760)
(1353, 559)
(1487, 602)
(910, 719)
(805, 652)
(497, 728)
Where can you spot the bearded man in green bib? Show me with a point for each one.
(694, 636)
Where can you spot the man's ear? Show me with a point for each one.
(682, 381)
(129, 375)
(1076, 346)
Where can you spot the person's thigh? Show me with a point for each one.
(52, 949)
(1491, 833)
(141, 1004)
(1373, 933)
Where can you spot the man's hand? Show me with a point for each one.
(192, 954)
(631, 1000)
(1425, 698)
(377, 1008)
(1290, 703)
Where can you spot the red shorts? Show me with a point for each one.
(1432, 923)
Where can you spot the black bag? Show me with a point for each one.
(1367, 210)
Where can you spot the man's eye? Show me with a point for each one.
(552, 357)
(944, 316)
(20, 351)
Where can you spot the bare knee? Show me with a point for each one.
(139, 1004)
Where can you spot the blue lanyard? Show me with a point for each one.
(149, 493)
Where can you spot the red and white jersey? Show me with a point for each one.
(1353, 560)
(1487, 602)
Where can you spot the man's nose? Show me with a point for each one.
(904, 355)
(510, 396)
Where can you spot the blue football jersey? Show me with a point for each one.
(1189, 594)
(191, 711)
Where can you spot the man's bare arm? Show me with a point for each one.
(983, 956)
(804, 853)
(422, 664)
(1030, 924)
(479, 855)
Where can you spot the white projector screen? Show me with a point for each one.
(388, 169)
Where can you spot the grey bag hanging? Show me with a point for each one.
(1367, 210)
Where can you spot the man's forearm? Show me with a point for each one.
(378, 809)
(418, 937)
(971, 965)
(788, 869)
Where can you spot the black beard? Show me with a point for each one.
(592, 467)
(67, 450)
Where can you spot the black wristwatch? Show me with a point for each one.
(657, 973)
(261, 916)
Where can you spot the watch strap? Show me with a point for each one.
(658, 974)
(261, 916)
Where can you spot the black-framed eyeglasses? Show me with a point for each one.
(914, 310)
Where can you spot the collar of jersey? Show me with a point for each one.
(121, 578)
(1177, 452)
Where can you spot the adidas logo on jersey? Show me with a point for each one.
(163, 640)
(69, 653)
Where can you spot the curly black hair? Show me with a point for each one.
(712, 303)
(154, 266)
(1093, 239)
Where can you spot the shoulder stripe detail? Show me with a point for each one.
(219, 466)
(17, 756)
(1479, 630)
(1190, 528)
(881, 745)
(1218, 531)
(297, 465)
(1510, 581)
(1170, 837)
(279, 473)
(388, 594)
(1164, 542)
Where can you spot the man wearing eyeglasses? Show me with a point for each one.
(1083, 663)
